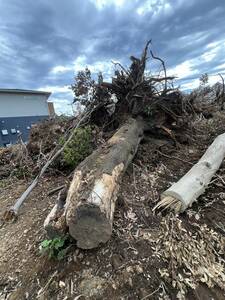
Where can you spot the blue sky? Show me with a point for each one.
(43, 43)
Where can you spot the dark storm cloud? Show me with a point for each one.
(36, 36)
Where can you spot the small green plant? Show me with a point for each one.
(79, 147)
(54, 248)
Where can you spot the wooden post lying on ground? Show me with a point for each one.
(184, 192)
(90, 202)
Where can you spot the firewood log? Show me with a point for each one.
(183, 193)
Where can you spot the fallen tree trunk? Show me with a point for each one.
(183, 193)
(90, 202)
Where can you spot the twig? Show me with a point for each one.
(55, 190)
(221, 178)
(164, 68)
(174, 157)
(149, 295)
(162, 79)
(223, 92)
(42, 290)
(119, 64)
(218, 177)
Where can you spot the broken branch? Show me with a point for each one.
(13, 211)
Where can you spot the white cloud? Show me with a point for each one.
(189, 67)
(183, 70)
(214, 49)
(213, 79)
(156, 7)
(195, 82)
(208, 56)
(80, 63)
(62, 97)
(100, 4)
(55, 89)
(60, 69)
(62, 107)
(105, 67)
(213, 45)
(221, 67)
(190, 85)
(5, 47)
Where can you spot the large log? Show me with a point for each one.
(92, 195)
(183, 193)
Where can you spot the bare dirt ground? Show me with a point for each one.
(129, 266)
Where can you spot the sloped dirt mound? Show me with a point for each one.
(135, 263)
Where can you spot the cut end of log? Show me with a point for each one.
(91, 227)
(169, 203)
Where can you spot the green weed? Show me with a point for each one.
(54, 248)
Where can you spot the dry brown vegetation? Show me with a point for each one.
(149, 255)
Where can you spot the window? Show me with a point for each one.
(4, 132)
(7, 144)
(13, 130)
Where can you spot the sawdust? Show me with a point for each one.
(193, 257)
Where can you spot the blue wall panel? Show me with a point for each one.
(20, 124)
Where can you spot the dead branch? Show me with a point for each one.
(119, 64)
(222, 95)
(12, 212)
(164, 68)
(55, 190)
(161, 79)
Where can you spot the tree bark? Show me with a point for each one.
(90, 202)
(183, 193)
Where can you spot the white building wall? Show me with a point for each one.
(22, 105)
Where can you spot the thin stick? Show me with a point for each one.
(174, 157)
(55, 190)
(164, 68)
(119, 64)
(223, 92)
(42, 290)
(149, 295)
